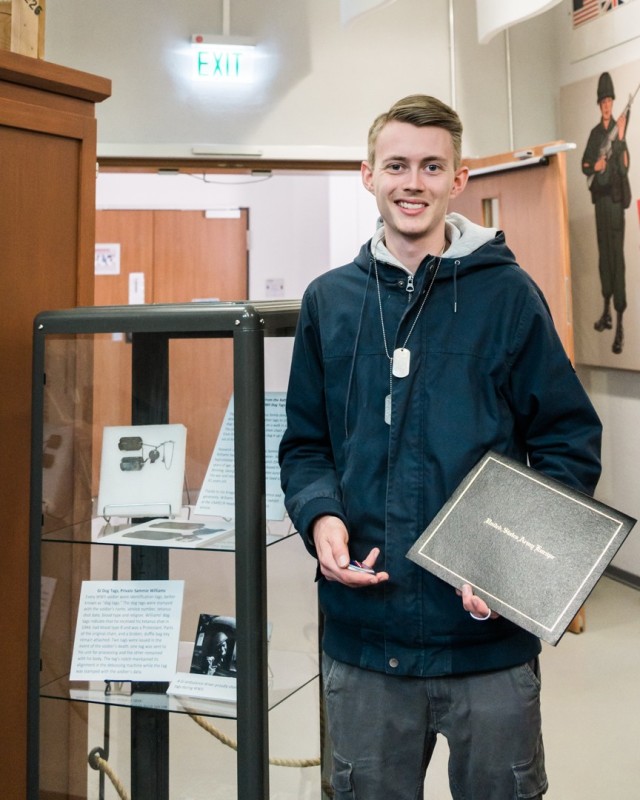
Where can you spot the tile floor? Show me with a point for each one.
(590, 705)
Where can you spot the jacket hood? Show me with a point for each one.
(470, 246)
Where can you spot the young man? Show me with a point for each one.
(431, 348)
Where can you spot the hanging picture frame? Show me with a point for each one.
(581, 118)
(598, 25)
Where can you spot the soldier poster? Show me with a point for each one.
(600, 114)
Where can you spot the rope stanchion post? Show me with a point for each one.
(98, 762)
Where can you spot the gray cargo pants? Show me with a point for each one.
(383, 731)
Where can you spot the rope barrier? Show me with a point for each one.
(96, 761)
(275, 762)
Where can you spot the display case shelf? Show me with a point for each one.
(289, 672)
(100, 531)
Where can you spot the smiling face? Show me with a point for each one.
(413, 179)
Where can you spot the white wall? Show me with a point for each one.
(319, 84)
(616, 396)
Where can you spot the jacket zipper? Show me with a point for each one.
(410, 287)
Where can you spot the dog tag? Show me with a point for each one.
(387, 409)
(401, 362)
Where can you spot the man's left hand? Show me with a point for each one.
(475, 605)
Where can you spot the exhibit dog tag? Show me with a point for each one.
(401, 362)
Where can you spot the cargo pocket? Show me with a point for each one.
(341, 779)
(531, 778)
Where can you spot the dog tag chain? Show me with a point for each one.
(400, 361)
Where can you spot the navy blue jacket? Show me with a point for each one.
(488, 371)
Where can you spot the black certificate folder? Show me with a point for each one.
(531, 547)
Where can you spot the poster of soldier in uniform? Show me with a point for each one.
(606, 164)
(603, 186)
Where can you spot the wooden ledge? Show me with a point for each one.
(39, 74)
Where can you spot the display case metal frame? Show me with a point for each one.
(150, 328)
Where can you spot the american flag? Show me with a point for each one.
(585, 10)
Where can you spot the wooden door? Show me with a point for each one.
(133, 232)
(198, 258)
(531, 205)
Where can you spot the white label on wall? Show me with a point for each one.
(275, 287)
(107, 259)
(136, 288)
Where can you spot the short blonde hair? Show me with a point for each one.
(420, 110)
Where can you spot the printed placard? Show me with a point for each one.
(127, 631)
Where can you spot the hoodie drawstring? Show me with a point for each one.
(456, 264)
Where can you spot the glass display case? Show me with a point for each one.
(138, 413)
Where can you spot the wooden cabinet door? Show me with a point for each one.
(47, 174)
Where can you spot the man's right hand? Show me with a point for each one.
(331, 540)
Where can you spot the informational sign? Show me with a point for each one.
(204, 687)
(217, 496)
(127, 631)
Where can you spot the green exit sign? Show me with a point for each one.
(215, 61)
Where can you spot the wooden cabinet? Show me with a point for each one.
(47, 213)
